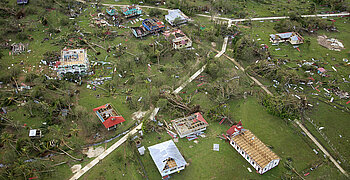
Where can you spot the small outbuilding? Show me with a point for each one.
(167, 158)
(35, 133)
(109, 117)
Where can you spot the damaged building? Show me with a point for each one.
(178, 39)
(18, 48)
(109, 116)
(252, 149)
(192, 124)
(293, 38)
(153, 25)
(139, 31)
(176, 17)
(73, 61)
(167, 158)
(149, 26)
(131, 11)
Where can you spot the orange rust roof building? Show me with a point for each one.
(252, 149)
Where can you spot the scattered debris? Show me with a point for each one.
(330, 43)
(91, 152)
(138, 115)
(75, 168)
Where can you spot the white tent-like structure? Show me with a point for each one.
(176, 14)
(167, 158)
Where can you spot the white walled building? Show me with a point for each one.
(178, 39)
(258, 155)
(176, 15)
(167, 158)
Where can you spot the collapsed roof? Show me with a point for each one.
(108, 116)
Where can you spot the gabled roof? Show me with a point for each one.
(234, 128)
(114, 120)
(162, 151)
(100, 107)
(200, 118)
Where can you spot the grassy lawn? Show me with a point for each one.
(134, 79)
(286, 140)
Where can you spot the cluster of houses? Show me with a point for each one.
(75, 61)
(176, 37)
(167, 156)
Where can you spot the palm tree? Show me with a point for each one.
(8, 139)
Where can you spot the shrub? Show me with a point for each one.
(22, 36)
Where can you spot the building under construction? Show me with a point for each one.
(190, 125)
(73, 61)
(252, 149)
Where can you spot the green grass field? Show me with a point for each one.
(174, 68)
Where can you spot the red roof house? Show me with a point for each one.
(109, 117)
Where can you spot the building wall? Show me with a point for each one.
(179, 46)
(167, 172)
(190, 132)
(251, 161)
